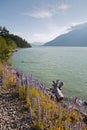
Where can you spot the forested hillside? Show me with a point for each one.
(22, 43)
(8, 42)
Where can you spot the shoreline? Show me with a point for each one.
(29, 80)
(66, 97)
(43, 86)
(74, 81)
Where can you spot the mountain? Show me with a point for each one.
(76, 37)
(37, 43)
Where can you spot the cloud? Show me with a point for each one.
(78, 23)
(17, 33)
(53, 32)
(63, 6)
(58, 29)
(41, 37)
(39, 14)
(47, 12)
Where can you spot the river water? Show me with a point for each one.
(68, 64)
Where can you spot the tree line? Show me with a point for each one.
(8, 42)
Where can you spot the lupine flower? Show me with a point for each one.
(79, 125)
(33, 83)
(32, 101)
(30, 96)
(74, 102)
(3, 77)
(6, 69)
(38, 108)
(41, 86)
(30, 115)
(25, 81)
(69, 126)
(68, 106)
(44, 88)
(28, 81)
(65, 125)
(44, 115)
(74, 128)
(10, 70)
(18, 82)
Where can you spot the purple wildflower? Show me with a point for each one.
(65, 125)
(68, 106)
(74, 128)
(10, 70)
(32, 101)
(79, 125)
(69, 126)
(30, 77)
(44, 115)
(3, 77)
(28, 81)
(74, 102)
(6, 69)
(25, 81)
(30, 115)
(18, 82)
(38, 109)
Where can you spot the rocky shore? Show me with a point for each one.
(13, 115)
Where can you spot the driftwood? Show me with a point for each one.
(57, 85)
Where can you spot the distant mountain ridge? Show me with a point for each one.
(76, 37)
(37, 43)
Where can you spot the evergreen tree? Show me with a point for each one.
(4, 49)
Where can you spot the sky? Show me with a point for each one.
(41, 20)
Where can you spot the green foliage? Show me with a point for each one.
(45, 113)
(1, 69)
(4, 49)
(21, 43)
(4, 32)
(37, 125)
(8, 42)
(22, 92)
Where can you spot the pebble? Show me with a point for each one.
(12, 114)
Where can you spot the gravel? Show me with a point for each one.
(13, 115)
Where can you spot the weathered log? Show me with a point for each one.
(59, 94)
(58, 84)
(85, 103)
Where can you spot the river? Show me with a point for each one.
(68, 64)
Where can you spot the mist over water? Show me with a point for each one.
(68, 64)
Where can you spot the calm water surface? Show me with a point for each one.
(68, 64)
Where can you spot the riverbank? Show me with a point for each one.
(13, 116)
(50, 63)
(25, 104)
